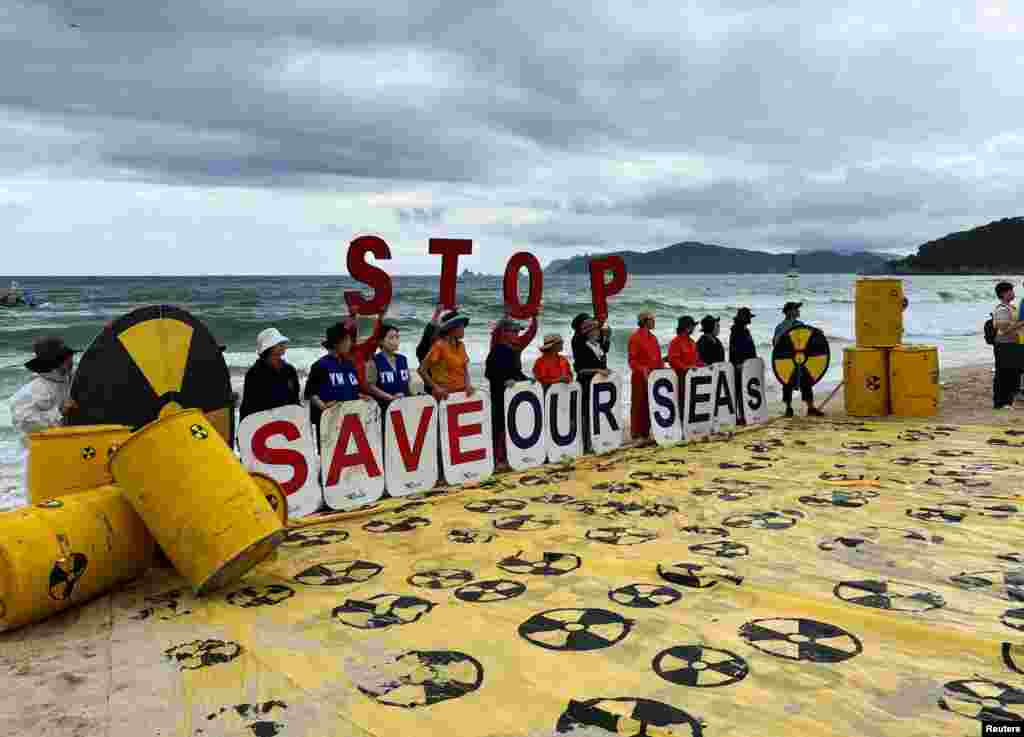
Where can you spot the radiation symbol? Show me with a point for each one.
(873, 383)
(147, 359)
(198, 432)
(492, 506)
(912, 461)
(314, 538)
(831, 543)
(628, 717)
(935, 514)
(339, 572)
(801, 348)
(644, 595)
(252, 716)
(381, 611)
(721, 549)
(550, 564)
(88, 453)
(51, 504)
(1014, 619)
(420, 678)
(849, 500)
(636, 509)
(203, 653)
(660, 476)
(169, 601)
(801, 639)
(765, 446)
(403, 524)
(617, 487)
(983, 700)
(979, 580)
(482, 592)
(1004, 443)
(575, 630)
(710, 531)
(697, 575)
(442, 578)
(761, 520)
(1012, 654)
(699, 666)
(915, 436)
(256, 596)
(525, 522)
(891, 595)
(864, 447)
(726, 495)
(621, 535)
(555, 477)
(468, 537)
(553, 499)
(408, 507)
(747, 466)
(65, 575)
(672, 462)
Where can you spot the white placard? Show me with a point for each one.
(466, 450)
(563, 421)
(725, 399)
(524, 425)
(698, 414)
(410, 445)
(279, 443)
(663, 401)
(606, 413)
(350, 440)
(755, 406)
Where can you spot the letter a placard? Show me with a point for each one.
(698, 413)
(663, 400)
(410, 440)
(350, 441)
(524, 425)
(563, 421)
(466, 449)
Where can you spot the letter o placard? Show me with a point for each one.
(524, 425)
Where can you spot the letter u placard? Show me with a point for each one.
(524, 425)
(563, 421)
(663, 400)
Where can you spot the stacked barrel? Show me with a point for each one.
(882, 375)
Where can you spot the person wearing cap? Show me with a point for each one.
(503, 369)
(644, 357)
(709, 347)
(388, 375)
(333, 378)
(552, 367)
(741, 349)
(590, 348)
(445, 368)
(791, 312)
(45, 402)
(682, 351)
(270, 382)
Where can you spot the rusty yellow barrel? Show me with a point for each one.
(65, 460)
(62, 552)
(878, 312)
(273, 493)
(866, 381)
(201, 505)
(914, 380)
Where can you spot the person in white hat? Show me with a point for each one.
(271, 382)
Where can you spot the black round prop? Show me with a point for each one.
(575, 630)
(801, 348)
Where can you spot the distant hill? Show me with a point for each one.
(996, 248)
(700, 258)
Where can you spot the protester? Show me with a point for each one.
(45, 402)
(445, 368)
(1006, 381)
(709, 347)
(503, 369)
(644, 357)
(388, 376)
(741, 349)
(333, 378)
(791, 311)
(682, 351)
(590, 358)
(270, 382)
(552, 367)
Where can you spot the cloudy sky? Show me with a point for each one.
(248, 136)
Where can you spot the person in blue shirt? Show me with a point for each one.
(391, 369)
(333, 378)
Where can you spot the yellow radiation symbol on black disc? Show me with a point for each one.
(801, 348)
(152, 359)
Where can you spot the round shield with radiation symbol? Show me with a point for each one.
(700, 667)
(442, 578)
(615, 487)
(421, 678)
(801, 639)
(645, 595)
(339, 573)
(801, 348)
(549, 564)
(1006, 584)
(482, 592)
(402, 524)
(575, 630)
(466, 536)
(553, 499)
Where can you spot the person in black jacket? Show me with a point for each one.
(270, 382)
(590, 346)
(504, 368)
(709, 347)
(741, 348)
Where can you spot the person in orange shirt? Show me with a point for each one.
(682, 351)
(446, 367)
(644, 357)
(552, 367)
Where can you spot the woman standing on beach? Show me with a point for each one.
(644, 357)
(709, 346)
(445, 368)
(271, 382)
(590, 348)
(335, 377)
(389, 373)
(504, 368)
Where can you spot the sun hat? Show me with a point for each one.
(451, 320)
(269, 338)
(552, 341)
(51, 352)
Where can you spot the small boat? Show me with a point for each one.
(792, 276)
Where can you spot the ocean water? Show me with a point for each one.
(946, 311)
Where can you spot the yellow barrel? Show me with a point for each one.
(274, 494)
(63, 552)
(914, 380)
(201, 505)
(878, 312)
(866, 381)
(65, 460)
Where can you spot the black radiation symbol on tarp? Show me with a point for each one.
(700, 667)
(977, 580)
(983, 700)
(616, 487)
(314, 538)
(801, 639)
(621, 535)
(697, 575)
(549, 564)
(1010, 650)
(553, 499)
(198, 432)
(659, 476)
(146, 359)
(200, 654)
(469, 537)
(381, 611)
(847, 499)
(629, 717)
(441, 578)
(494, 506)
(935, 514)
(525, 522)
(710, 531)
(253, 714)
(65, 575)
(636, 509)
(644, 595)
(575, 630)
(1014, 619)
(257, 596)
(891, 595)
(404, 524)
(721, 549)
(419, 678)
(482, 592)
(761, 520)
(339, 572)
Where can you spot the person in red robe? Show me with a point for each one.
(644, 357)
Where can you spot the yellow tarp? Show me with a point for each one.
(801, 579)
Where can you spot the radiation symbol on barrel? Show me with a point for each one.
(699, 666)
(873, 383)
(420, 678)
(198, 432)
(575, 630)
(801, 348)
(628, 717)
(152, 357)
(65, 575)
(801, 639)
(88, 453)
(983, 700)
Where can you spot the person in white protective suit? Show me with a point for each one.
(45, 401)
